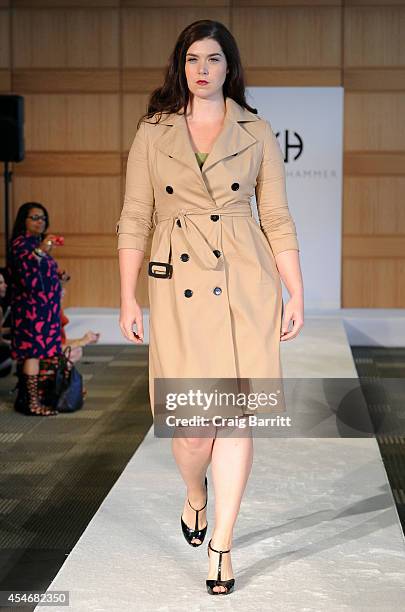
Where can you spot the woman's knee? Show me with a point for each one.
(195, 443)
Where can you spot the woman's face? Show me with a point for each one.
(35, 225)
(3, 286)
(205, 61)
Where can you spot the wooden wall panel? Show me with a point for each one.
(68, 38)
(77, 205)
(148, 34)
(69, 164)
(289, 36)
(374, 182)
(374, 36)
(81, 81)
(5, 73)
(82, 288)
(369, 3)
(86, 68)
(289, 3)
(374, 206)
(4, 38)
(72, 122)
(375, 121)
(64, 3)
(373, 283)
(5, 81)
(134, 105)
(374, 79)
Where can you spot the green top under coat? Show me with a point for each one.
(201, 157)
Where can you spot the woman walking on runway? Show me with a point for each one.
(216, 310)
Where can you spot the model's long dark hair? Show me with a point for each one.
(173, 95)
(23, 212)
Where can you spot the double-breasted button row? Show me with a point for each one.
(234, 187)
(216, 290)
(186, 256)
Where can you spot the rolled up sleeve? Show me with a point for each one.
(271, 198)
(135, 223)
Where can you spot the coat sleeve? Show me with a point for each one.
(271, 197)
(135, 222)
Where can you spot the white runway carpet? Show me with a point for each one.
(318, 529)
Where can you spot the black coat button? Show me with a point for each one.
(235, 186)
(178, 222)
(184, 257)
(214, 217)
(217, 253)
(188, 293)
(217, 290)
(169, 189)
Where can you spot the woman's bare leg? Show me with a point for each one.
(231, 463)
(31, 366)
(193, 456)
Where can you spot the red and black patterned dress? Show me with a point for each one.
(35, 301)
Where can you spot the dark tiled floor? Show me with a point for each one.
(382, 374)
(56, 471)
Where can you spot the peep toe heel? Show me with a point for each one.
(190, 533)
(228, 584)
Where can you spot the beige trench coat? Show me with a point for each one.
(217, 313)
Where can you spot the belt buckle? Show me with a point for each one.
(168, 269)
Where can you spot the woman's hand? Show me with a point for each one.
(64, 277)
(131, 313)
(90, 337)
(47, 244)
(293, 311)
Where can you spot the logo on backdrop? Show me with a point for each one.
(293, 145)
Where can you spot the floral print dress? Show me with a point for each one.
(35, 301)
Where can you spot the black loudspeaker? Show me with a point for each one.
(11, 128)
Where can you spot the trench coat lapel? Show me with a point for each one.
(232, 139)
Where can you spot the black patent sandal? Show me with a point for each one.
(188, 532)
(211, 583)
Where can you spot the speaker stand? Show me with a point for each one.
(7, 180)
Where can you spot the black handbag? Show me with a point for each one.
(70, 385)
(62, 387)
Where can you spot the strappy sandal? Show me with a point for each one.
(211, 583)
(191, 534)
(27, 401)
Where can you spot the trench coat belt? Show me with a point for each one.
(194, 237)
